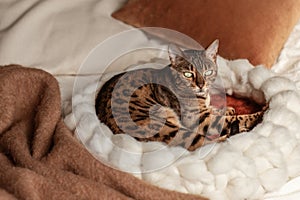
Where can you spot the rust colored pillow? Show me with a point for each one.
(241, 106)
(252, 29)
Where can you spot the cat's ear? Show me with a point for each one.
(212, 50)
(175, 54)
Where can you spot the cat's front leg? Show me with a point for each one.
(241, 123)
(228, 112)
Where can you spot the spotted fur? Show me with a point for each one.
(171, 105)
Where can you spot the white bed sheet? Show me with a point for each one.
(56, 35)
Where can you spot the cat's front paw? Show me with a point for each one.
(229, 111)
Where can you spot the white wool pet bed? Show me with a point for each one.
(261, 164)
(248, 166)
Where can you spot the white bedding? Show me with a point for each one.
(247, 166)
(56, 35)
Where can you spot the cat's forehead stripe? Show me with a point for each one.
(196, 58)
(198, 63)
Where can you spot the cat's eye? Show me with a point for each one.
(188, 74)
(208, 73)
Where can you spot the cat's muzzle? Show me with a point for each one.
(200, 92)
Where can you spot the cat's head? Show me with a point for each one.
(195, 69)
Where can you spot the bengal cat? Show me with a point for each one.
(171, 104)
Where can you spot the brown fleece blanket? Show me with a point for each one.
(39, 156)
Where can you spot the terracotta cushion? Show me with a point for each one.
(252, 29)
(241, 106)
